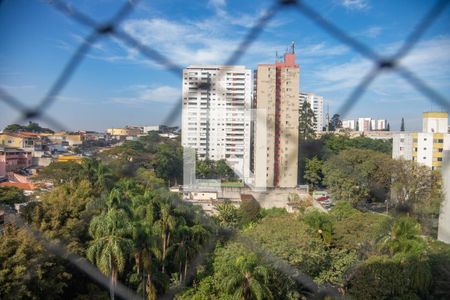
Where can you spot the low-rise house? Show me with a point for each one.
(27, 188)
(14, 159)
(18, 140)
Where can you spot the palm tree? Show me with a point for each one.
(165, 225)
(145, 243)
(404, 237)
(188, 243)
(111, 243)
(117, 200)
(246, 279)
(96, 172)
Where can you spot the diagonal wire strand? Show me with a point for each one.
(423, 88)
(335, 31)
(420, 28)
(67, 72)
(241, 49)
(358, 91)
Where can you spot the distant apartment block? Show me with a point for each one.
(126, 131)
(216, 114)
(349, 124)
(380, 125)
(424, 147)
(316, 103)
(365, 124)
(276, 139)
(147, 129)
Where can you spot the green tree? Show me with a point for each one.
(111, 245)
(27, 270)
(416, 190)
(245, 277)
(403, 238)
(59, 172)
(65, 212)
(335, 122)
(223, 170)
(358, 175)
(168, 162)
(33, 127)
(227, 215)
(307, 119)
(249, 210)
(165, 225)
(321, 224)
(10, 195)
(381, 277)
(313, 171)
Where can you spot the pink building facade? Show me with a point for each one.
(13, 159)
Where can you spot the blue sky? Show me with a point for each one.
(116, 86)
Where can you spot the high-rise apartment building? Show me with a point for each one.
(424, 147)
(316, 103)
(276, 138)
(216, 114)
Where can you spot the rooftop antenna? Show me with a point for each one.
(293, 47)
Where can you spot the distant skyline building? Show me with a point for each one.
(349, 124)
(216, 114)
(316, 103)
(365, 124)
(424, 147)
(276, 136)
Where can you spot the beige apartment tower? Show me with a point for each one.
(276, 124)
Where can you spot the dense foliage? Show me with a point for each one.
(364, 255)
(116, 211)
(33, 127)
(10, 195)
(131, 227)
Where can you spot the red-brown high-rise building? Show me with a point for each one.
(276, 127)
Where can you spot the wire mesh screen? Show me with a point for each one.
(112, 29)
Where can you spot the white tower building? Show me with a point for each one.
(216, 114)
(316, 103)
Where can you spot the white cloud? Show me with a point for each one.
(143, 94)
(371, 32)
(430, 60)
(355, 4)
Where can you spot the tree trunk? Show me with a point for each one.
(111, 285)
(185, 268)
(164, 253)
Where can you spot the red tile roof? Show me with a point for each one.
(20, 185)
